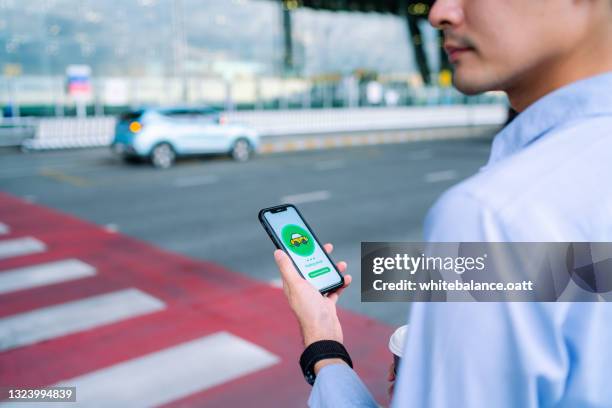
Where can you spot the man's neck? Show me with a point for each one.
(587, 61)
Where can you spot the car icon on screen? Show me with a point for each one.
(298, 239)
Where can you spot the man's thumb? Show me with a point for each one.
(288, 272)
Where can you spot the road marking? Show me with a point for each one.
(266, 148)
(329, 165)
(329, 142)
(438, 176)
(311, 144)
(306, 197)
(20, 246)
(64, 178)
(195, 181)
(172, 373)
(111, 228)
(4, 229)
(44, 274)
(276, 282)
(67, 318)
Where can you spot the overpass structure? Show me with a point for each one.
(411, 11)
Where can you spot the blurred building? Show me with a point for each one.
(237, 54)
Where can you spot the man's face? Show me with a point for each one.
(495, 44)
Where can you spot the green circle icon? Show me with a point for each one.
(298, 240)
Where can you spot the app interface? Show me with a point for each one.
(303, 249)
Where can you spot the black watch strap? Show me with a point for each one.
(320, 350)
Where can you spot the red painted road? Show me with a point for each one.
(201, 298)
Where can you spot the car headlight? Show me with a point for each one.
(135, 127)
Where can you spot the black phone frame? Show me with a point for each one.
(278, 245)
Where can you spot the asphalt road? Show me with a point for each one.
(207, 208)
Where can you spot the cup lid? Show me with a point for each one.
(397, 340)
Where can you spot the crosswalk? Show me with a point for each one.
(150, 380)
(129, 324)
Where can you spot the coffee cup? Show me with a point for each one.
(396, 345)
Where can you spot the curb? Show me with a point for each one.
(324, 142)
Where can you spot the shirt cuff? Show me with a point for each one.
(337, 385)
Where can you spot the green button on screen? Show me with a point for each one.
(319, 272)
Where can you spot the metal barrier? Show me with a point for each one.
(59, 133)
(13, 132)
(297, 122)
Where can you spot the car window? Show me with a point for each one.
(206, 114)
(212, 117)
(179, 113)
(131, 115)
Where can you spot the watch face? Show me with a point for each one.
(310, 378)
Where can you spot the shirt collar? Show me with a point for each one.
(587, 97)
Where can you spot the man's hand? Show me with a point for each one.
(391, 379)
(316, 314)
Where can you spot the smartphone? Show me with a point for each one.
(290, 232)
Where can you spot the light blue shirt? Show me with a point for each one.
(549, 178)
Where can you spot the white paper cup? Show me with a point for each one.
(396, 345)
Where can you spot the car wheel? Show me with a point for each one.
(241, 151)
(163, 156)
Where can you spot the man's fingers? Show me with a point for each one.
(347, 281)
(340, 265)
(391, 375)
(291, 277)
(390, 390)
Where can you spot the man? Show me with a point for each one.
(547, 179)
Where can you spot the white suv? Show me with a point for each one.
(162, 135)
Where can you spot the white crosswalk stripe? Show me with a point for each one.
(170, 374)
(20, 246)
(67, 318)
(43, 274)
(4, 229)
(276, 282)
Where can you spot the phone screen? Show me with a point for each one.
(298, 241)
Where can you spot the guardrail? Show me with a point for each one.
(15, 132)
(274, 123)
(60, 133)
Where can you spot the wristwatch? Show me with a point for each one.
(320, 350)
